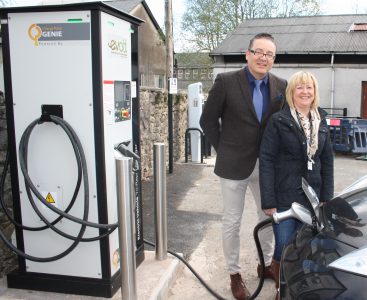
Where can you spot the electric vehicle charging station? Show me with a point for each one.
(195, 100)
(78, 62)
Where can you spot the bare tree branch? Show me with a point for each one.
(207, 22)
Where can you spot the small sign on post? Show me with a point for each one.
(172, 86)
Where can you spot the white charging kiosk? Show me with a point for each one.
(78, 62)
(195, 103)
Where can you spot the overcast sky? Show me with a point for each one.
(178, 6)
(332, 7)
(328, 7)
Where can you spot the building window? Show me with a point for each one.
(143, 79)
(195, 74)
(210, 74)
(187, 74)
(159, 81)
(180, 74)
(203, 74)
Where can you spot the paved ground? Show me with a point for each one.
(194, 229)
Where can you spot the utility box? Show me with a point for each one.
(78, 62)
(195, 102)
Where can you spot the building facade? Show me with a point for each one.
(152, 47)
(193, 67)
(333, 48)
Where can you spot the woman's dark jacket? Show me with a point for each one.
(283, 162)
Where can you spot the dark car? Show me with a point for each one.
(327, 257)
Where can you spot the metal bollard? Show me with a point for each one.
(160, 201)
(127, 240)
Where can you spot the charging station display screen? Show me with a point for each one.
(122, 101)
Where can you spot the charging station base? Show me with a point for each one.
(68, 284)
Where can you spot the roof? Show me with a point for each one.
(129, 5)
(125, 5)
(104, 6)
(316, 34)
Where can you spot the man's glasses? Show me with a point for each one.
(259, 53)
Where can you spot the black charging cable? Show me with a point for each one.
(23, 149)
(187, 264)
(258, 227)
(256, 230)
(82, 176)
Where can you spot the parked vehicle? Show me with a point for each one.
(348, 135)
(327, 257)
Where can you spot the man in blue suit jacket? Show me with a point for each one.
(234, 125)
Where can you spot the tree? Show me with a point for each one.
(207, 22)
(4, 3)
(298, 8)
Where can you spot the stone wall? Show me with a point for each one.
(8, 260)
(154, 128)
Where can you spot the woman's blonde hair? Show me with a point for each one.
(302, 77)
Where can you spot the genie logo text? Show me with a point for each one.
(54, 34)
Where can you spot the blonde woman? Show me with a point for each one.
(296, 144)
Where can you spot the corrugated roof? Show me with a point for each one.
(300, 34)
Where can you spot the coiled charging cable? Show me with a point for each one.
(108, 228)
(30, 187)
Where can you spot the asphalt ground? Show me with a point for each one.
(194, 209)
(194, 226)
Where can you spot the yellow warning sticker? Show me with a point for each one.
(50, 199)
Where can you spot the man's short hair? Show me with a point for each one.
(262, 35)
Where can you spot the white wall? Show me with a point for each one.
(323, 76)
(348, 89)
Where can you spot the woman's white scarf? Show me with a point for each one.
(310, 127)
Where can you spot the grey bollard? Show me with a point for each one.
(160, 201)
(127, 240)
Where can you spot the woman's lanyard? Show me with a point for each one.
(303, 123)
